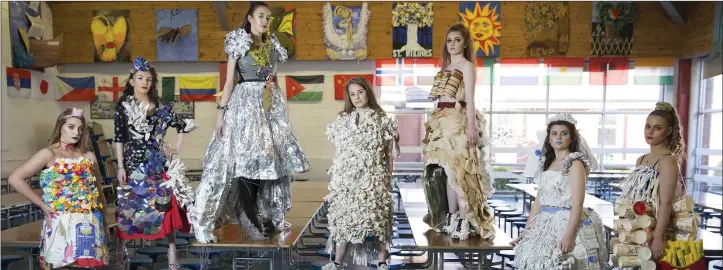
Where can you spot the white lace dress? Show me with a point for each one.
(539, 247)
(360, 191)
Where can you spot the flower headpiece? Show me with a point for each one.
(564, 117)
(140, 64)
(75, 113)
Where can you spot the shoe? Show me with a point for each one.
(452, 221)
(172, 266)
(462, 231)
(332, 266)
(383, 266)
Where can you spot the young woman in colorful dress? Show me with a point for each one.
(360, 191)
(74, 231)
(560, 232)
(154, 193)
(456, 178)
(253, 153)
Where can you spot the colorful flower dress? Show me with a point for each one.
(539, 245)
(360, 191)
(75, 234)
(146, 208)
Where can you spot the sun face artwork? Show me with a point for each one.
(283, 26)
(483, 21)
(110, 35)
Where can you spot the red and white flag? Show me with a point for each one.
(111, 86)
(43, 87)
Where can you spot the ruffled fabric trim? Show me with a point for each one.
(178, 182)
(238, 43)
(136, 112)
(566, 163)
(190, 125)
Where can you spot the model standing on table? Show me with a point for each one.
(74, 231)
(455, 178)
(253, 153)
(153, 193)
(560, 232)
(656, 179)
(360, 191)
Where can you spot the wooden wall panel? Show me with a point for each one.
(655, 35)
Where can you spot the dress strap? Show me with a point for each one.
(656, 163)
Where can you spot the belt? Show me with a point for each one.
(450, 104)
(554, 209)
(252, 80)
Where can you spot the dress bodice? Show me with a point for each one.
(448, 84)
(238, 45)
(69, 186)
(642, 185)
(555, 189)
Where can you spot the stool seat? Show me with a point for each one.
(180, 242)
(8, 259)
(393, 264)
(193, 263)
(519, 224)
(507, 254)
(505, 209)
(510, 214)
(395, 251)
(495, 201)
(138, 260)
(323, 253)
(185, 236)
(153, 252)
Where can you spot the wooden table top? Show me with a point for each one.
(29, 234)
(602, 207)
(15, 199)
(425, 238)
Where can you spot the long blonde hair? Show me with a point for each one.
(469, 53)
(82, 145)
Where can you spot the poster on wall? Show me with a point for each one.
(111, 35)
(103, 107)
(184, 109)
(283, 26)
(19, 26)
(547, 28)
(345, 31)
(177, 35)
(483, 20)
(612, 28)
(412, 30)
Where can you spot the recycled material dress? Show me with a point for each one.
(146, 207)
(247, 172)
(539, 245)
(360, 191)
(445, 146)
(75, 234)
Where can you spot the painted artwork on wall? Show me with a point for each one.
(184, 109)
(345, 31)
(103, 107)
(111, 35)
(483, 20)
(177, 35)
(283, 26)
(19, 26)
(412, 30)
(612, 28)
(547, 28)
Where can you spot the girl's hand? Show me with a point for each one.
(122, 176)
(657, 247)
(168, 152)
(472, 136)
(218, 130)
(514, 242)
(567, 243)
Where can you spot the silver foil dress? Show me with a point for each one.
(257, 154)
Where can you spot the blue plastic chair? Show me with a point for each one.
(8, 259)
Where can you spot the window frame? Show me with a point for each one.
(696, 132)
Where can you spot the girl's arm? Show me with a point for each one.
(228, 84)
(121, 136)
(469, 73)
(667, 180)
(577, 183)
(17, 178)
(535, 209)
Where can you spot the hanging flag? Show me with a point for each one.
(564, 71)
(111, 86)
(19, 84)
(424, 70)
(42, 86)
(197, 88)
(75, 89)
(519, 71)
(394, 72)
(168, 89)
(340, 82)
(485, 71)
(304, 88)
(654, 71)
(616, 67)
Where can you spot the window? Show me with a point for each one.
(707, 154)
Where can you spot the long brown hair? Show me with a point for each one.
(245, 24)
(675, 139)
(549, 153)
(469, 53)
(371, 97)
(82, 145)
(152, 94)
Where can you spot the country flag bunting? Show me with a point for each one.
(519, 71)
(43, 86)
(75, 89)
(654, 71)
(617, 70)
(18, 82)
(485, 71)
(340, 82)
(168, 89)
(564, 71)
(111, 87)
(197, 88)
(424, 70)
(394, 72)
(304, 88)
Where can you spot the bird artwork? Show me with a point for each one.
(345, 31)
(166, 34)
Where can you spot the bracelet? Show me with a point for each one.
(219, 107)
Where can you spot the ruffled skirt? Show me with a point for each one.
(74, 240)
(539, 247)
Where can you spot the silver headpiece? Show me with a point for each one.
(564, 117)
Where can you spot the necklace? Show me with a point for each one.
(261, 54)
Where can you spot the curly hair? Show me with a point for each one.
(152, 94)
(549, 153)
(675, 139)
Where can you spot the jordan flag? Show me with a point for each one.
(340, 83)
(75, 89)
(304, 88)
(43, 86)
(18, 81)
